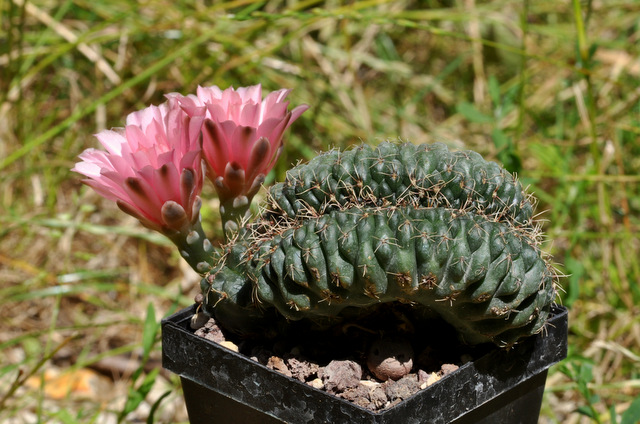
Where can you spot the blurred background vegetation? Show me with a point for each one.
(548, 88)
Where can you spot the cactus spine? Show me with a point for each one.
(447, 231)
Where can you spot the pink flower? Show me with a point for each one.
(242, 135)
(151, 168)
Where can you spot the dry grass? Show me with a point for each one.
(554, 97)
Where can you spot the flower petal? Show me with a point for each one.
(165, 181)
(242, 141)
(214, 147)
(251, 94)
(234, 178)
(144, 197)
(188, 186)
(209, 94)
(250, 115)
(112, 141)
(136, 213)
(296, 112)
(259, 159)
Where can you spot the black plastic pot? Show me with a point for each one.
(221, 386)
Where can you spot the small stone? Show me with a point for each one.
(317, 383)
(211, 331)
(358, 395)
(378, 398)
(301, 370)
(277, 364)
(339, 376)
(229, 345)
(448, 369)
(369, 384)
(401, 389)
(433, 377)
(390, 358)
(361, 401)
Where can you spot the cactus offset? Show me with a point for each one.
(447, 231)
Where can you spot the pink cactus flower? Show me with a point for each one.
(242, 135)
(151, 168)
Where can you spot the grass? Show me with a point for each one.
(548, 88)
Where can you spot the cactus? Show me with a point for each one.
(445, 231)
(427, 175)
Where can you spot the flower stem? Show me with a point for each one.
(194, 247)
(233, 213)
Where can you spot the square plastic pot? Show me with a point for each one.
(221, 386)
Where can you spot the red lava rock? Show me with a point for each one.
(300, 369)
(378, 398)
(358, 395)
(276, 363)
(339, 376)
(448, 369)
(211, 331)
(423, 376)
(390, 358)
(403, 388)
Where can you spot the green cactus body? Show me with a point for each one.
(427, 175)
(344, 234)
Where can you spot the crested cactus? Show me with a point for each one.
(393, 174)
(441, 230)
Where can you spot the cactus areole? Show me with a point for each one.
(447, 232)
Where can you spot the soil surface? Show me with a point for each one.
(375, 362)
